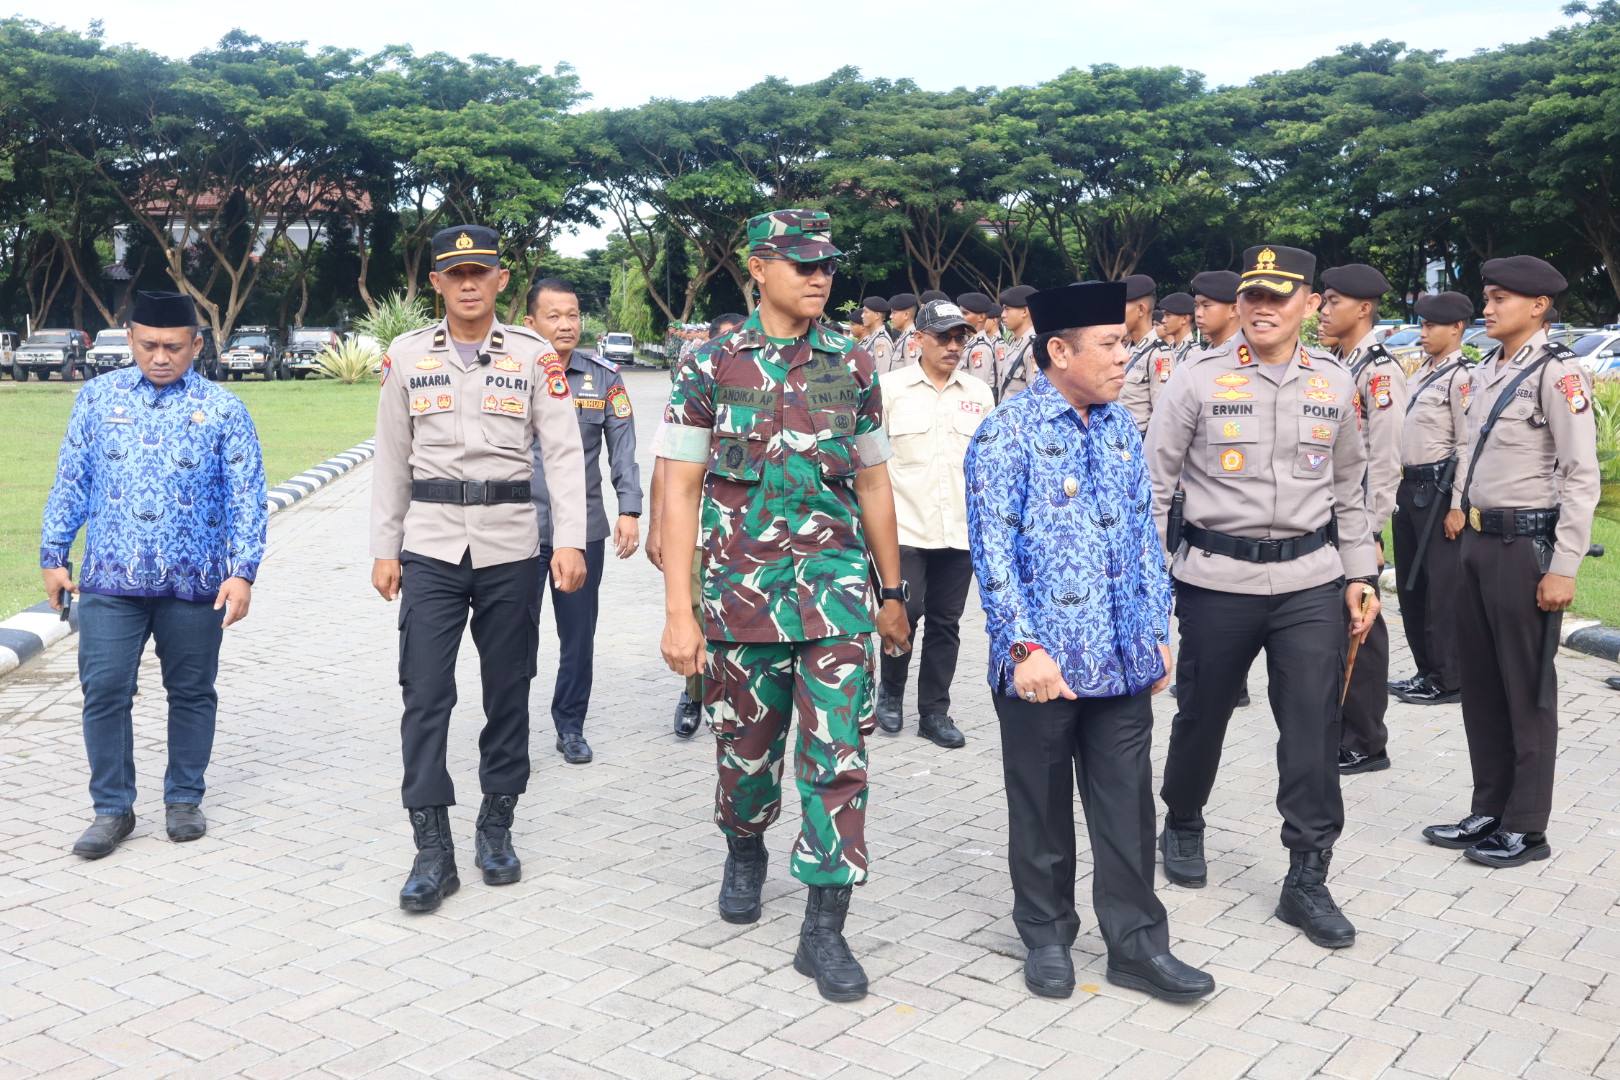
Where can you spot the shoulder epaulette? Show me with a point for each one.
(516, 331)
(610, 365)
(439, 338)
(1323, 356)
(1559, 351)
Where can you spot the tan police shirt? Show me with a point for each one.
(979, 357)
(1381, 396)
(881, 346)
(929, 431)
(1435, 423)
(1264, 454)
(1543, 451)
(1146, 373)
(438, 419)
(904, 350)
(1015, 369)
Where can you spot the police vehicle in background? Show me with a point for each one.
(1599, 350)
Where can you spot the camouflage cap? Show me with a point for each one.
(800, 235)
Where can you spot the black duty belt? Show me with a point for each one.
(1428, 474)
(1511, 523)
(1263, 551)
(470, 492)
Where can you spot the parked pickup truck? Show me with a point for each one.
(110, 351)
(62, 352)
(303, 346)
(252, 350)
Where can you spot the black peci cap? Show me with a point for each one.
(1178, 303)
(460, 244)
(1220, 286)
(1277, 269)
(1525, 275)
(1444, 307)
(1017, 296)
(976, 302)
(1085, 303)
(934, 294)
(163, 309)
(876, 303)
(1138, 286)
(902, 301)
(1356, 280)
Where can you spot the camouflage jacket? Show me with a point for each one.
(782, 431)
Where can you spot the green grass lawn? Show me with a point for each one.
(300, 424)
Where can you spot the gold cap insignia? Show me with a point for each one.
(463, 242)
(1266, 261)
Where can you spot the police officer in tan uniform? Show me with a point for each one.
(1350, 296)
(1176, 328)
(1151, 358)
(903, 347)
(1425, 559)
(874, 317)
(979, 354)
(452, 529)
(1015, 359)
(1215, 306)
(1530, 485)
(1261, 434)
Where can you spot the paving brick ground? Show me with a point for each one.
(274, 946)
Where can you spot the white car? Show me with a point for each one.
(110, 351)
(618, 348)
(1599, 350)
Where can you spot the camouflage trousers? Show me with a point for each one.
(751, 692)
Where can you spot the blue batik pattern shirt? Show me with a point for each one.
(168, 484)
(1060, 520)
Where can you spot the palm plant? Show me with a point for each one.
(394, 315)
(351, 362)
(1606, 405)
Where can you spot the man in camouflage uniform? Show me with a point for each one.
(776, 441)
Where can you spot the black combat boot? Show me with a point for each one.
(744, 878)
(823, 953)
(1182, 844)
(493, 846)
(433, 875)
(890, 710)
(1307, 904)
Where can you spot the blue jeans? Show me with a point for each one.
(113, 631)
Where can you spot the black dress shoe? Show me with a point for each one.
(940, 729)
(1612, 682)
(1307, 904)
(1163, 976)
(688, 714)
(1399, 686)
(574, 749)
(104, 835)
(1465, 834)
(1049, 971)
(1424, 692)
(1352, 762)
(1182, 845)
(1503, 848)
(1243, 701)
(889, 710)
(184, 821)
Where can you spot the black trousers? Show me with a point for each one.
(1367, 700)
(1428, 601)
(575, 615)
(1305, 635)
(1512, 745)
(435, 597)
(939, 579)
(1103, 745)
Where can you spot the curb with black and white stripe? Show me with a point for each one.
(30, 632)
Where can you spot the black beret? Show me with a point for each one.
(1138, 286)
(1356, 280)
(901, 301)
(163, 309)
(1158, 314)
(1444, 307)
(975, 302)
(1277, 268)
(1525, 275)
(1178, 303)
(995, 311)
(876, 303)
(1085, 303)
(1017, 296)
(1220, 286)
(460, 244)
(934, 294)
(1550, 315)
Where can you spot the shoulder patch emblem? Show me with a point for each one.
(1161, 369)
(1574, 392)
(506, 363)
(387, 366)
(1467, 390)
(1379, 388)
(428, 363)
(620, 402)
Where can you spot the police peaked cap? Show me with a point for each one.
(876, 303)
(902, 301)
(1444, 307)
(1178, 303)
(934, 294)
(1525, 275)
(1220, 286)
(163, 309)
(976, 302)
(1356, 280)
(1085, 303)
(1139, 285)
(1017, 296)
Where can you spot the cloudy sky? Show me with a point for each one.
(627, 51)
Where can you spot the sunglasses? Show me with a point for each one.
(956, 337)
(806, 269)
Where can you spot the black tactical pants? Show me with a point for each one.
(1429, 600)
(939, 579)
(1305, 635)
(435, 597)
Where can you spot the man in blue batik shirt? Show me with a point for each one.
(162, 470)
(1077, 606)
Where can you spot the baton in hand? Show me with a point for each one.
(1355, 644)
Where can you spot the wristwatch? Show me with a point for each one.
(1021, 649)
(901, 592)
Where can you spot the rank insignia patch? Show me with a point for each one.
(620, 402)
(1574, 393)
(1231, 395)
(420, 404)
(1232, 378)
(1245, 357)
(429, 363)
(506, 363)
(1232, 460)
